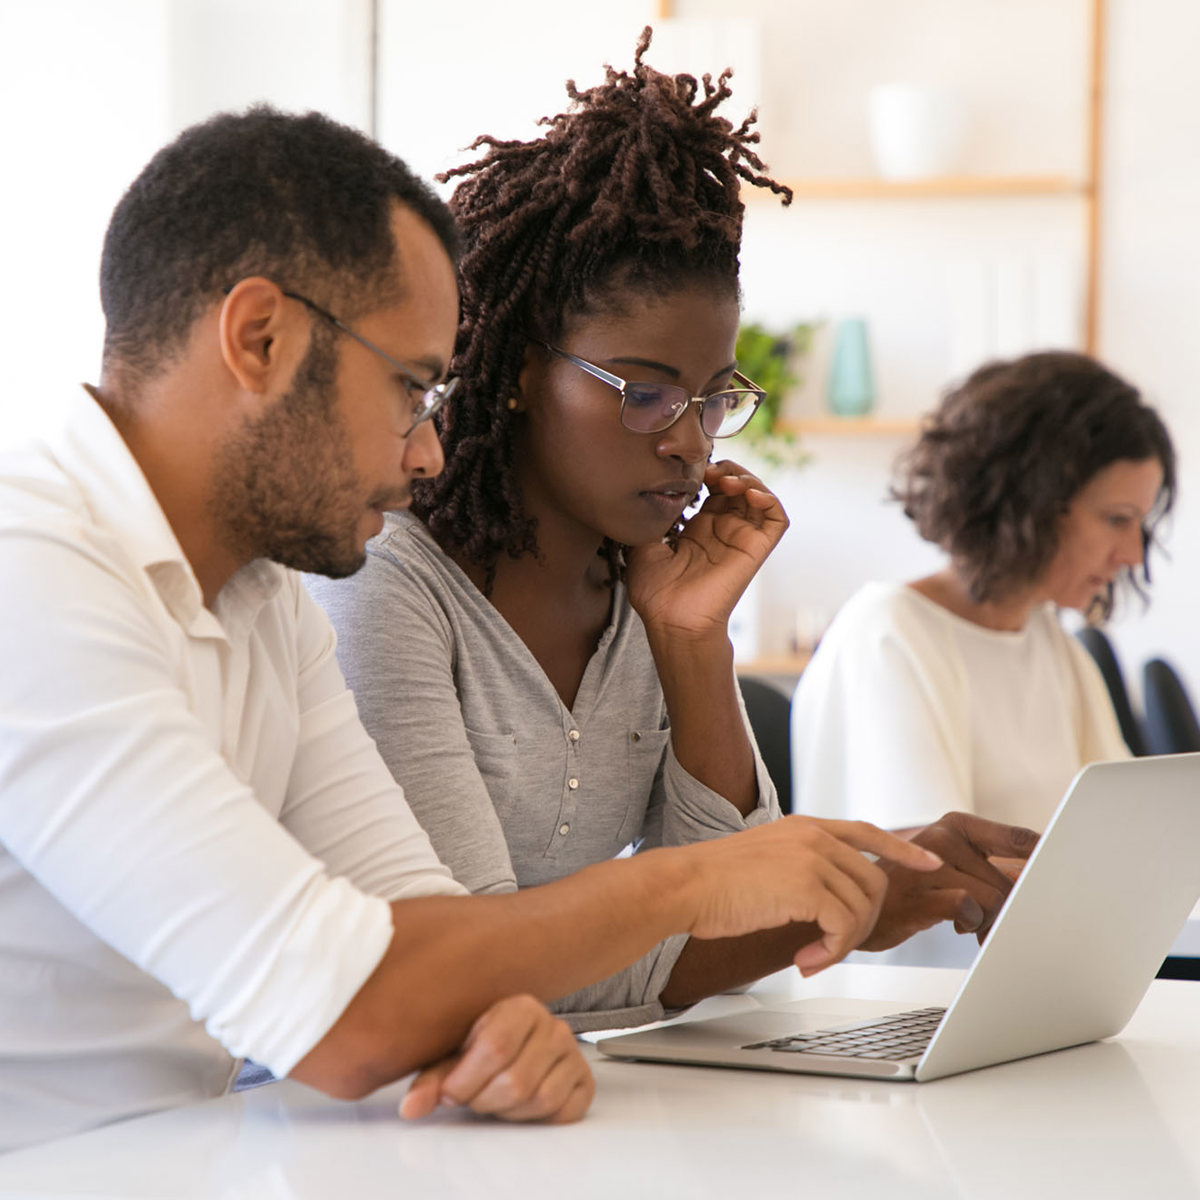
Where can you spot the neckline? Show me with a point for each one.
(405, 522)
(985, 631)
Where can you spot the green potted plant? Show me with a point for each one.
(771, 359)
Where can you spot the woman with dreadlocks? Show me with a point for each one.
(541, 651)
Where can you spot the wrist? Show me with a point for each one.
(673, 887)
(691, 668)
(673, 643)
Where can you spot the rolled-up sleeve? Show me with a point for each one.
(684, 810)
(114, 798)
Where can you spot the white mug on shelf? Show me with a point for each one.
(917, 130)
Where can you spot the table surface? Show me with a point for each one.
(1113, 1119)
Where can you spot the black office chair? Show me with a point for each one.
(1171, 726)
(769, 708)
(1100, 648)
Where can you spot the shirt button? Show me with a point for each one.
(572, 784)
(635, 736)
(564, 830)
(574, 735)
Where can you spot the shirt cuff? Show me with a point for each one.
(695, 813)
(291, 1001)
(630, 997)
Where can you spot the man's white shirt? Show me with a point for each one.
(197, 837)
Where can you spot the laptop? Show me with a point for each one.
(1069, 958)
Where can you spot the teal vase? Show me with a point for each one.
(851, 390)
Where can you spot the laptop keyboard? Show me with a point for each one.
(902, 1035)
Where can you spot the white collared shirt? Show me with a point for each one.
(197, 837)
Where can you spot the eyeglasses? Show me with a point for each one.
(430, 397)
(653, 407)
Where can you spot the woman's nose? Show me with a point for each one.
(686, 439)
(1132, 548)
(423, 451)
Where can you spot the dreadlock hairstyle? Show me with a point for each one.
(637, 186)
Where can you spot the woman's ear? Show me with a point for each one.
(529, 380)
(262, 335)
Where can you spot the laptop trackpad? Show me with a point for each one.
(801, 1016)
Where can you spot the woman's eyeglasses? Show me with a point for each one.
(653, 407)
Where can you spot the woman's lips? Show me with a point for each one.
(672, 498)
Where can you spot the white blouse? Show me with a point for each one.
(908, 711)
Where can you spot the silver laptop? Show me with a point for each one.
(1073, 951)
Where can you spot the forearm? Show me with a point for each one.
(709, 966)
(450, 958)
(708, 732)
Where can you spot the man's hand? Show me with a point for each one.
(969, 890)
(799, 869)
(518, 1063)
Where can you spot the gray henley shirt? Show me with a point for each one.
(513, 788)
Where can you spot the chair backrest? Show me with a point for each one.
(769, 709)
(1100, 648)
(1171, 726)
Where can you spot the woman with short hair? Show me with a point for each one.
(1043, 479)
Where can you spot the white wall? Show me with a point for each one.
(83, 104)
(452, 73)
(1151, 283)
(1022, 64)
(90, 88)
(296, 54)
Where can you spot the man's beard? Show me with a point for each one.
(284, 485)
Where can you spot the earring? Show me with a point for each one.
(513, 403)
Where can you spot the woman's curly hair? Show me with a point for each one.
(1004, 454)
(637, 186)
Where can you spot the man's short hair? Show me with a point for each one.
(299, 199)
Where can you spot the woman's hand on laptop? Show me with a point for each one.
(969, 890)
(518, 1063)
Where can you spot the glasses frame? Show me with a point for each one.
(440, 392)
(615, 381)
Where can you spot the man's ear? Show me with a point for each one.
(262, 334)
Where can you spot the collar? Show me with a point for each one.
(119, 498)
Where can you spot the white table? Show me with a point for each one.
(1115, 1119)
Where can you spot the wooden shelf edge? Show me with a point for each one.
(942, 187)
(851, 426)
(774, 664)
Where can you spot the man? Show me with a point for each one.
(202, 856)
